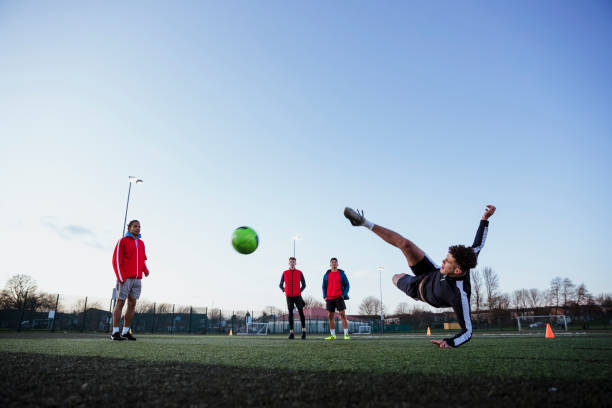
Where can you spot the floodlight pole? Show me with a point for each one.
(297, 237)
(131, 179)
(126, 208)
(382, 318)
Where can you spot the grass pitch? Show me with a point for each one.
(273, 371)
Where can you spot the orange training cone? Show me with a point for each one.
(549, 332)
(428, 331)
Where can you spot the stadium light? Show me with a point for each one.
(135, 180)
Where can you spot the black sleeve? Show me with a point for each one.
(282, 282)
(303, 281)
(461, 306)
(481, 236)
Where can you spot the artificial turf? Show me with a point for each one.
(256, 371)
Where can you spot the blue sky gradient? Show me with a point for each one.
(277, 115)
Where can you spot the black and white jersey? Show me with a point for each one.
(442, 291)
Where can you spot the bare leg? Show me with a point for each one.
(129, 313)
(344, 321)
(332, 323)
(412, 252)
(117, 312)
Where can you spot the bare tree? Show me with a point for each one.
(274, 311)
(370, 306)
(163, 308)
(555, 291)
(491, 282)
(517, 299)
(583, 296)
(502, 302)
(476, 289)
(144, 306)
(567, 291)
(604, 299)
(534, 297)
(311, 301)
(79, 305)
(15, 291)
(402, 308)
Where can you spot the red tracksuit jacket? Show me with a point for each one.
(129, 258)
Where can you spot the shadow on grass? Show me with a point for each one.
(46, 380)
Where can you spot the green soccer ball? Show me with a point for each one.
(245, 240)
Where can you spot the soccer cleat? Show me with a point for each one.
(330, 338)
(347, 337)
(303, 335)
(354, 217)
(128, 336)
(116, 336)
(291, 337)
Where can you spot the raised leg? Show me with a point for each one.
(412, 252)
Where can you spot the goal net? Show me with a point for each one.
(535, 324)
(364, 329)
(256, 329)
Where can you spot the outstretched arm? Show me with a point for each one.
(461, 306)
(483, 228)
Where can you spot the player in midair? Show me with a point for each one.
(446, 286)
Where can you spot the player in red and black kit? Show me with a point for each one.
(446, 286)
(335, 292)
(293, 283)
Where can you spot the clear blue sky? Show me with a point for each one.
(277, 115)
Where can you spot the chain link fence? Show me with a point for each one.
(89, 314)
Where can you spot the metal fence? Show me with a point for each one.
(88, 314)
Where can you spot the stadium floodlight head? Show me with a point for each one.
(381, 268)
(135, 180)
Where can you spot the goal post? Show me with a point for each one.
(532, 324)
(364, 329)
(255, 329)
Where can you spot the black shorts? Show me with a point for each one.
(335, 304)
(424, 266)
(410, 284)
(295, 301)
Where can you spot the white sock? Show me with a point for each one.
(345, 331)
(333, 332)
(125, 330)
(115, 330)
(368, 224)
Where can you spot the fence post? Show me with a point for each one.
(84, 314)
(190, 314)
(22, 310)
(54, 313)
(153, 320)
(173, 319)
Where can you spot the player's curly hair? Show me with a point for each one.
(464, 256)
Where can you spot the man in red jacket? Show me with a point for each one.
(293, 284)
(129, 262)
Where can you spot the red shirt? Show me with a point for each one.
(334, 286)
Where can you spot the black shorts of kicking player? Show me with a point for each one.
(295, 301)
(410, 284)
(335, 304)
